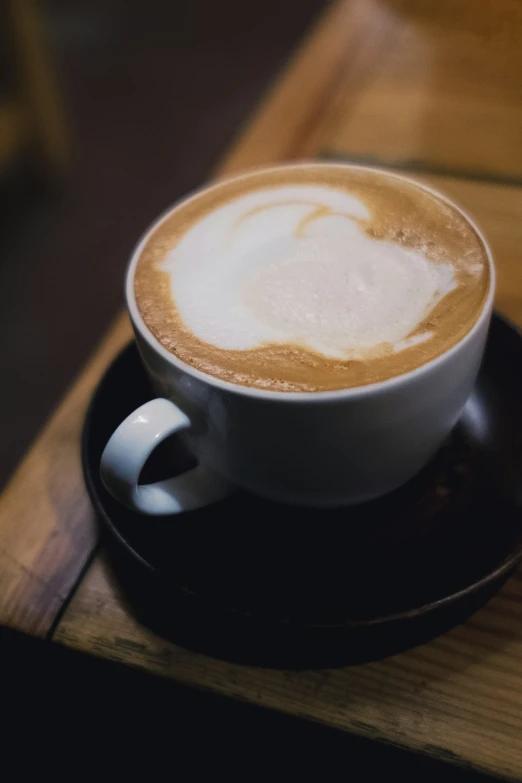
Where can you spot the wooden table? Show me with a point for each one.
(434, 88)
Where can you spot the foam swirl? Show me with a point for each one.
(311, 277)
(294, 265)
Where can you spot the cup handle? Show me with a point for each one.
(128, 450)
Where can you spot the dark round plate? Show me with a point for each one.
(272, 584)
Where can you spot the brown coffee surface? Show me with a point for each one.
(400, 211)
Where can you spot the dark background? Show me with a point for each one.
(154, 92)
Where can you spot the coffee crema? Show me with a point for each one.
(311, 277)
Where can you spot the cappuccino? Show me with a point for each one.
(311, 277)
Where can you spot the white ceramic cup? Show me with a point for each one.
(310, 448)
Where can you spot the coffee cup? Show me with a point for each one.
(308, 445)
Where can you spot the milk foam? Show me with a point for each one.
(292, 264)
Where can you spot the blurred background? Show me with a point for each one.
(109, 111)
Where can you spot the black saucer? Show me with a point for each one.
(271, 584)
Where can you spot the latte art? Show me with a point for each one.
(310, 278)
(292, 265)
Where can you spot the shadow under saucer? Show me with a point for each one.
(251, 580)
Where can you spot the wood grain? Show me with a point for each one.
(445, 94)
(458, 697)
(47, 525)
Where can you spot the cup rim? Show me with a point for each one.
(301, 396)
